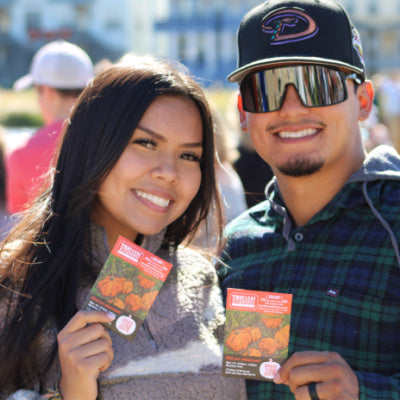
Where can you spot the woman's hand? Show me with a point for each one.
(333, 376)
(85, 349)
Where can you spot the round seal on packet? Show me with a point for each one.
(125, 325)
(269, 368)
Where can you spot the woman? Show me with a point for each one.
(137, 160)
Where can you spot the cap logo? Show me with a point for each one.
(290, 25)
(357, 44)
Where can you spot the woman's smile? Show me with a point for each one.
(151, 200)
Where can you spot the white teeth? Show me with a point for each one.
(158, 201)
(298, 134)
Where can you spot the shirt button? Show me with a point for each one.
(298, 237)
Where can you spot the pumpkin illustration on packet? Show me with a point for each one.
(257, 333)
(127, 286)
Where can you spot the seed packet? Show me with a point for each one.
(127, 286)
(257, 333)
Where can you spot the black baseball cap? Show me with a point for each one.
(284, 32)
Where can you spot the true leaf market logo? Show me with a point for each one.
(289, 25)
(128, 252)
(244, 300)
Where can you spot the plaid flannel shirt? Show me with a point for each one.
(344, 277)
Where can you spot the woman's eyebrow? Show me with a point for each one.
(162, 138)
(151, 132)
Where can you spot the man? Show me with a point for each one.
(59, 72)
(329, 230)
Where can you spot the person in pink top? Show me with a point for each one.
(59, 72)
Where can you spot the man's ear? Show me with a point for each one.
(242, 114)
(365, 95)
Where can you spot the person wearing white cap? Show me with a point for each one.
(59, 72)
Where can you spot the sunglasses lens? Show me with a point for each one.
(317, 86)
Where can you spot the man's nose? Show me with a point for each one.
(291, 100)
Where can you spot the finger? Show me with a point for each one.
(98, 362)
(83, 336)
(303, 393)
(89, 367)
(335, 369)
(303, 375)
(335, 377)
(91, 333)
(108, 337)
(302, 359)
(84, 317)
(327, 391)
(91, 348)
(110, 357)
(93, 356)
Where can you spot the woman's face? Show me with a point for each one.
(157, 175)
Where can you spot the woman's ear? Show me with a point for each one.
(365, 95)
(242, 114)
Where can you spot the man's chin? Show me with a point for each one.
(300, 167)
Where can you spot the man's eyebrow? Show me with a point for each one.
(162, 138)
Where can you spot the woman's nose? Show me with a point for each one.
(165, 169)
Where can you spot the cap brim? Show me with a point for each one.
(23, 83)
(239, 74)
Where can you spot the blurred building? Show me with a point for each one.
(104, 28)
(379, 24)
(200, 33)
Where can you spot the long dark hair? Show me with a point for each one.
(45, 256)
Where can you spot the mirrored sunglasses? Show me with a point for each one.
(317, 86)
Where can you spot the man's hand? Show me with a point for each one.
(334, 379)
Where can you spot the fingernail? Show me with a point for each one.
(110, 315)
(277, 377)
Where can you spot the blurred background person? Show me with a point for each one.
(375, 135)
(388, 94)
(59, 72)
(253, 171)
(373, 130)
(5, 218)
(229, 184)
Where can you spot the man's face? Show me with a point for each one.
(299, 141)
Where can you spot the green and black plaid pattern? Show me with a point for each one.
(344, 278)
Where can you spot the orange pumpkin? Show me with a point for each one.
(271, 322)
(146, 282)
(267, 345)
(133, 302)
(282, 337)
(255, 333)
(147, 300)
(254, 352)
(238, 339)
(118, 303)
(127, 286)
(110, 286)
